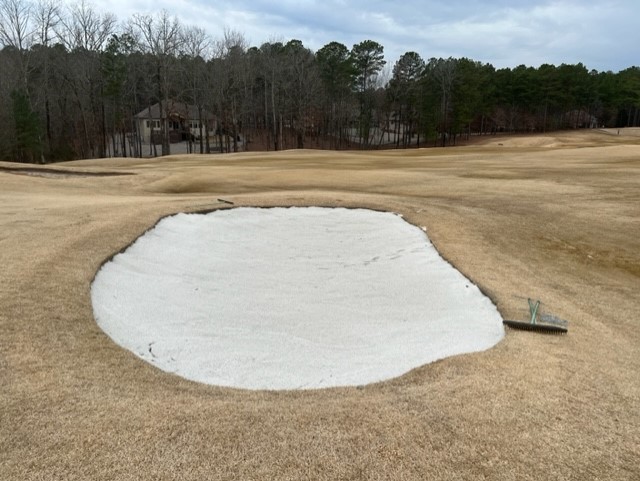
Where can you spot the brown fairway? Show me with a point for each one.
(553, 217)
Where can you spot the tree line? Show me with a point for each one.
(72, 79)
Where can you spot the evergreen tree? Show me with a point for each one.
(27, 143)
(368, 60)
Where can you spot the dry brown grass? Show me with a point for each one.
(556, 218)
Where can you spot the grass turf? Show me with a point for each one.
(556, 219)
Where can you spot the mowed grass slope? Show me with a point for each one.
(555, 218)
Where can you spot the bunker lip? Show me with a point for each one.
(223, 299)
(58, 173)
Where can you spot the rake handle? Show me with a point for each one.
(533, 309)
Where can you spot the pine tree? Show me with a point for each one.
(27, 144)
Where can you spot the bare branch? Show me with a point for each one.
(16, 29)
(47, 18)
(196, 42)
(85, 28)
(158, 35)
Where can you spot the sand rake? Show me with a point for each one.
(549, 324)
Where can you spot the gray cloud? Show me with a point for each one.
(504, 33)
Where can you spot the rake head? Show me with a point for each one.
(550, 324)
(527, 326)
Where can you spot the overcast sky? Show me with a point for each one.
(603, 35)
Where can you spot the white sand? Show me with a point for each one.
(290, 298)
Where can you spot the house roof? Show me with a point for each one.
(175, 109)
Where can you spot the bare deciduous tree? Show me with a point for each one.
(46, 16)
(162, 37)
(16, 27)
(197, 49)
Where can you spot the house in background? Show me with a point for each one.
(183, 122)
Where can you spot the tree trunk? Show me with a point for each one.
(200, 120)
(208, 143)
(113, 143)
(103, 147)
(48, 122)
(276, 138)
(164, 124)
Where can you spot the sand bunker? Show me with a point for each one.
(290, 298)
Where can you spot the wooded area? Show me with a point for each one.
(72, 81)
